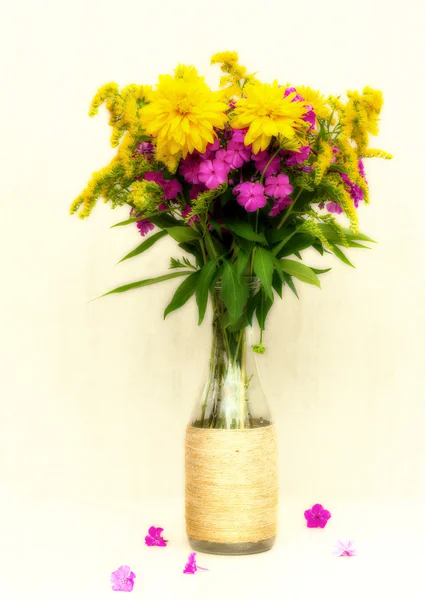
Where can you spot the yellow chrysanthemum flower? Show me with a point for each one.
(183, 113)
(267, 113)
(316, 100)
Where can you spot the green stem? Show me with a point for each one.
(289, 210)
(268, 164)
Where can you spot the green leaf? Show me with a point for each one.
(263, 310)
(301, 241)
(202, 287)
(277, 283)
(215, 278)
(356, 245)
(333, 236)
(215, 225)
(264, 267)
(126, 222)
(251, 307)
(244, 230)
(340, 254)
(300, 271)
(193, 248)
(320, 271)
(290, 284)
(243, 258)
(234, 291)
(277, 235)
(145, 245)
(244, 244)
(145, 282)
(164, 221)
(318, 247)
(183, 293)
(183, 233)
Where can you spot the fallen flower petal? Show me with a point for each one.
(123, 579)
(317, 516)
(345, 548)
(154, 537)
(191, 566)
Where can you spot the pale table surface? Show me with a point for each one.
(51, 551)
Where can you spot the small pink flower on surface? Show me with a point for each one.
(122, 579)
(213, 173)
(317, 516)
(154, 537)
(186, 211)
(333, 207)
(297, 158)
(191, 566)
(144, 226)
(172, 188)
(345, 548)
(278, 186)
(189, 168)
(261, 160)
(251, 196)
(279, 206)
(155, 176)
(310, 117)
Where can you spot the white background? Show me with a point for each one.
(95, 396)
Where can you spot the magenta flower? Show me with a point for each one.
(292, 90)
(189, 168)
(262, 158)
(146, 148)
(361, 169)
(213, 173)
(241, 153)
(317, 516)
(211, 148)
(298, 157)
(172, 188)
(238, 136)
(345, 548)
(251, 196)
(195, 190)
(155, 176)
(280, 205)
(154, 537)
(356, 192)
(122, 579)
(226, 156)
(187, 209)
(144, 226)
(278, 186)
(191, 566)
(333, 207)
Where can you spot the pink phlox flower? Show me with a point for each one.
(155, 176)
(345, 548)
(154, 537)
(279, 206)
(278, 186)
(251, 196)
(191, 566)
(122, 579)
(238, 136)
(307, 168)
(172, 188)
(226, 156)
(310, 117)
(241, 153)
(297, 158)
(195, 190)
(213, 172)
(317, 516)
(333, 207)
(147, 149)
(189, 168)
(262, 158)
(356, 192)
(361, 169)
(186, 211)
(292, 90)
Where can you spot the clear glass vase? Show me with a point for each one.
(231, 450)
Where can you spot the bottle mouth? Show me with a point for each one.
(252, 282)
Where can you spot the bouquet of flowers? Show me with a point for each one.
(243, 179)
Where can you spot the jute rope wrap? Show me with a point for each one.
(231, 484)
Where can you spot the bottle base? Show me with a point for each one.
(236, 549)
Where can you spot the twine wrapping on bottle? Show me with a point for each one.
(231, 484)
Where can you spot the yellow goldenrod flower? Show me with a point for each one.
(375, 153)
(146, 196)
(316, 100)
(267, 113)
(323, 162)
(183, 113)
